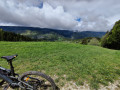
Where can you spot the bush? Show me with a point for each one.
(91, 41)
(94, 41)
(84, 41)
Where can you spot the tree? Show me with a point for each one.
(1, 34)
(112, 39)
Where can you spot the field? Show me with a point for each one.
(65, 62)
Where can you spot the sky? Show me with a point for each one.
(75, 15)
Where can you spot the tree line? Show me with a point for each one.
(10, 36)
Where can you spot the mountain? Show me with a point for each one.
(38, 33)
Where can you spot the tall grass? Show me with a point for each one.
(68, 61)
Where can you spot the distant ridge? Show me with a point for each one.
(41, 32)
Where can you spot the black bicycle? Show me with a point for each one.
(31, 80)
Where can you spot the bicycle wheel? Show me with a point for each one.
(38, 81)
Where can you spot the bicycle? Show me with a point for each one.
(31, 80)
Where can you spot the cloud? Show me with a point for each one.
(96, 15)
(25, 15)
(81, 15)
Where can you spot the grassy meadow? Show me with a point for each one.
(65, 61)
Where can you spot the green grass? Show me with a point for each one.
(95, 65)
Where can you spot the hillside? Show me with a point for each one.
(38, 33)
(65, 62)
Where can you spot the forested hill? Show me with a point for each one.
(10, 36)
(39, 33)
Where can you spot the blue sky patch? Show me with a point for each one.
(41, 5)
(78, 19)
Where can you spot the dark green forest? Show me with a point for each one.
(10, 36)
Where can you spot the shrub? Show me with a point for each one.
(84, 41)
(94, 41)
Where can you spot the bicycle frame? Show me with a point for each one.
(5, 78)
(11, 68)
(15, 81)
(10, 77)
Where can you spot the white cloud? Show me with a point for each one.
(96, 15)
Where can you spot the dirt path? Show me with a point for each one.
(73, 86)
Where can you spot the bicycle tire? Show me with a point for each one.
(48, 78)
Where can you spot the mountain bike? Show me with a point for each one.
(31, 80)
